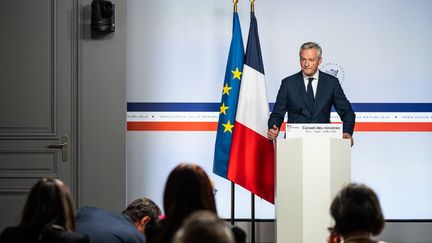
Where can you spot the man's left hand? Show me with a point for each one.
(348, 136)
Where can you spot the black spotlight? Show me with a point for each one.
(102, 18)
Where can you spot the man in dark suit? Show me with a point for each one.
(309, 95)
(108, 227)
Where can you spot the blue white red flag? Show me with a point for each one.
(251, 162)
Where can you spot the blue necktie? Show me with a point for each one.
(310, 94)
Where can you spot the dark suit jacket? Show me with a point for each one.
(291, 98)
(107, 227)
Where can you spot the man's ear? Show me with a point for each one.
(141, 223)
(144, 220)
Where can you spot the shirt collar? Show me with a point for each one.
(315, 76)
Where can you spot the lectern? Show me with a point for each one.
(310, 170)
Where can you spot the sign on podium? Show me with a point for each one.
(295, 130)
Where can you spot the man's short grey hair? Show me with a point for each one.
(142, 207)
(310, 45)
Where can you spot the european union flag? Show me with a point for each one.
(228, 105)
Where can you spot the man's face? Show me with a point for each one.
(309, 61)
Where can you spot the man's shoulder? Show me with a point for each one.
(91, 211)
(326, 76)
(106, 226)
(97, 217)
(126, 231)
(293, 78)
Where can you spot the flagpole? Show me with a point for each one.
(232, 202)
(232, 183)
(252, 6)
(252, 195)
(252, 218)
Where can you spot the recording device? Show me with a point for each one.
(102, 17)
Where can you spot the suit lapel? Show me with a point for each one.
(301, 87)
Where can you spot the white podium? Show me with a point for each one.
(309, 173)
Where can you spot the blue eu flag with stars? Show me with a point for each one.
(228, 105)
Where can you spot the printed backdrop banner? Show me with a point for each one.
(174, 81)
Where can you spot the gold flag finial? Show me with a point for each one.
(252, 5)
(235, 5)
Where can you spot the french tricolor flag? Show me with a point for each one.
(251, 162)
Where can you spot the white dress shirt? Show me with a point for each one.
(314, 82)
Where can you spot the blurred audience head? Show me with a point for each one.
(48, 204)
(204, 226)
(187, 190)
(356, 209)
(143, 212)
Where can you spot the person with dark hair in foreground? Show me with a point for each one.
(357, 214)
(204, 226)
(188, 189)
(48, 216)
(108, 227)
